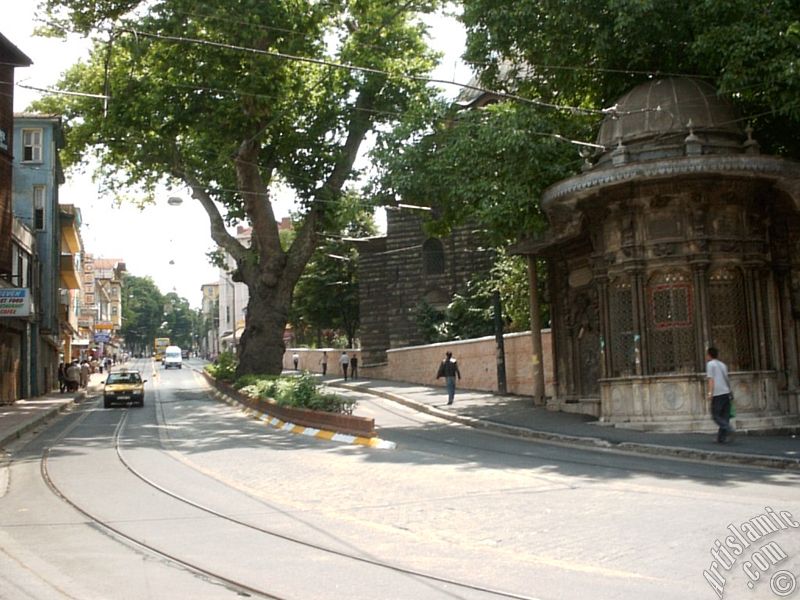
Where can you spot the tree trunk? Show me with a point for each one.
(261, 347)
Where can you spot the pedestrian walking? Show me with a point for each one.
(354, 366)
(719, 394)
(62, 377)
(324, 362)
(296, 360)
(73, 374)
(448, 369)
(344, 361)
(85, 373)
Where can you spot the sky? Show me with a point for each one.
(168, 243)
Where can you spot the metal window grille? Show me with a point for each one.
(729, 326)
(623, 348)
(672, 341)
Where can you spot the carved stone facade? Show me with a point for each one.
(681, 236)
(404, 269)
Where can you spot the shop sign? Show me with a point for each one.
(15, 302)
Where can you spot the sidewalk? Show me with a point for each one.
(509, 415)
(24, 415)
(516, 415)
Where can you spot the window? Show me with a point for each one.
(672, 341)
(31, 145)
(728, 316)
(433, 257)
(38, 207)
(623, 336)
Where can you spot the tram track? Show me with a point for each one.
(241, 588)
(307, 544)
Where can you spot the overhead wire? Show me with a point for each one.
(332, 64)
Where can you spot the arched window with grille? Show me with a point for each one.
(671, 323)
(728, 318)
(623, 345)
(433, 257)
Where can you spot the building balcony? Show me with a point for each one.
(70, 276)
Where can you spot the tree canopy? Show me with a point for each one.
(556, 65)
(229, 97)
(589, 52)
(326, 302)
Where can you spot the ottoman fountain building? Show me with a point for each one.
(681, 235)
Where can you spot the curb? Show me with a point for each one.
(40, 416)
(676, 452)
(288, 427)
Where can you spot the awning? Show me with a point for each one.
(228, 335)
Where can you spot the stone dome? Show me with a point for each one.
(663, 108)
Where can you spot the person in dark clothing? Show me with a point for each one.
(354, 366)
(62, 378)
(448, 369)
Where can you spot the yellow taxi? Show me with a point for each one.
(124, 386)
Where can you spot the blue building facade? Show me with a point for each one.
(36, 180)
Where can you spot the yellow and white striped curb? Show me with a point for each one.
(309, 431)
(325, 435)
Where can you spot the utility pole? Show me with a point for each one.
(536, 333)
(502, 387)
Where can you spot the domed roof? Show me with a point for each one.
(666, 106)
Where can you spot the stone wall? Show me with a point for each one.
(476, 360)
(399, 272)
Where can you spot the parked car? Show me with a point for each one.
(124, 386)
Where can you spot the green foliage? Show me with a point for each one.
(326, 297)
(181, 322)
(483, 166)
(224, 367)
(470, 313)
(142, 312)
(302, 391)
(748, 50)
(204, 95)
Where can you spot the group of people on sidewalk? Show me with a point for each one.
(75, 375)
(345, 362)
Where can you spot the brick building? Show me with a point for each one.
(403, 270)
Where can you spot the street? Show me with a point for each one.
(189, 498)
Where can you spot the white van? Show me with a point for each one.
(172, 357)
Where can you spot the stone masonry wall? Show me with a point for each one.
(476, 361)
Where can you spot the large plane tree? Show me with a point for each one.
(229, 97)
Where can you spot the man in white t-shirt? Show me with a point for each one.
(344, 361)
(719, 394)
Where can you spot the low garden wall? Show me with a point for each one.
(354, 425)
(477, 361)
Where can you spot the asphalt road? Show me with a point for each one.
(189, 498)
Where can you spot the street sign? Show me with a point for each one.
(15, 302)
(102, 337)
